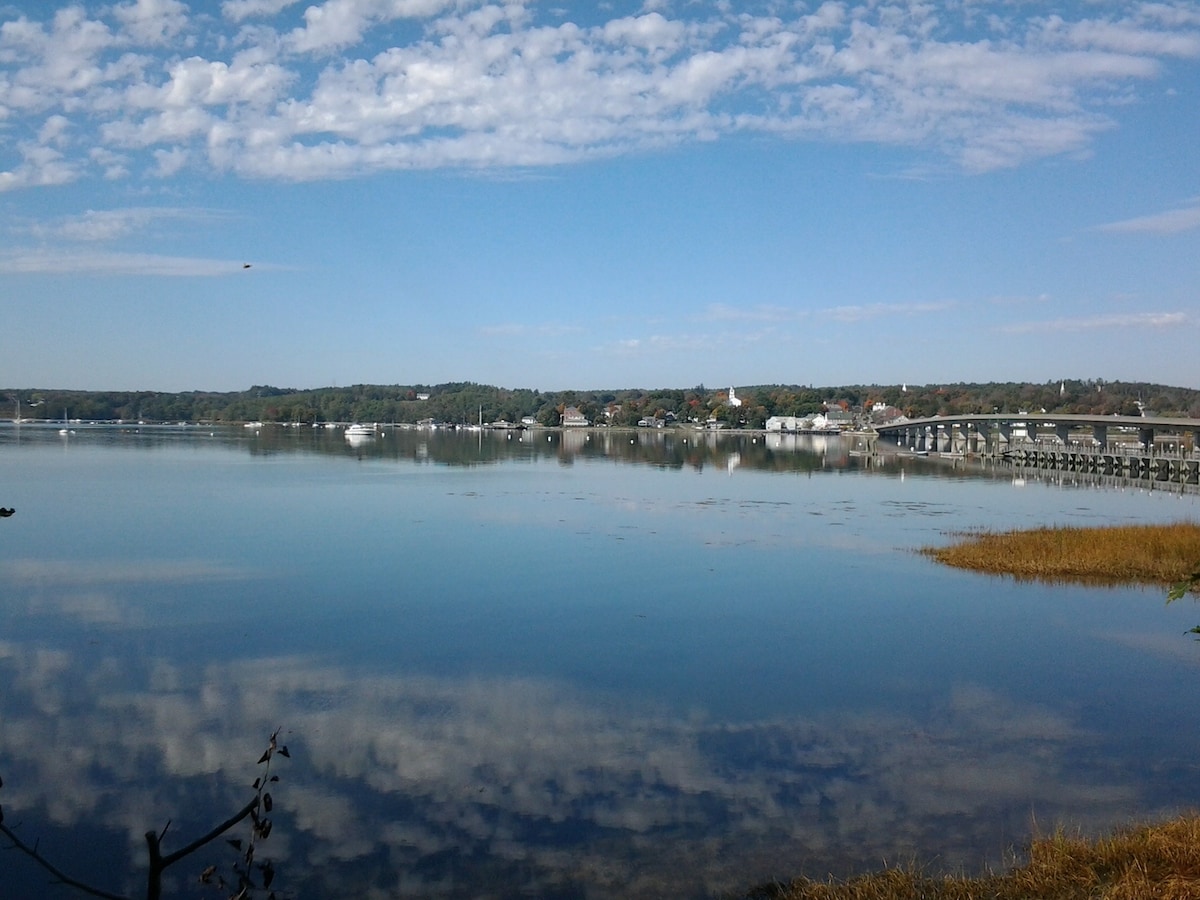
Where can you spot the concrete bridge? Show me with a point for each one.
(1139, 447)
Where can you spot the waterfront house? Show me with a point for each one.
(573, 418)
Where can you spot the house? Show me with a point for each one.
(573, 418)
(783, 423)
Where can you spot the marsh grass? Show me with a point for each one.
(1152, 861)
(1118, 554)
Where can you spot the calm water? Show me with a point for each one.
(565, 665)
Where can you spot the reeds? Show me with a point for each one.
(1146, 554)
(1152, 861)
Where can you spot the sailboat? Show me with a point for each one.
(66, 421)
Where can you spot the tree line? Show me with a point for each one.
(469, 403)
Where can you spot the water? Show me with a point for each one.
(580, 665)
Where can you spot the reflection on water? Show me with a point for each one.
(446, 785)
(579, 670)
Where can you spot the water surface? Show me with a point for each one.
(576, 665)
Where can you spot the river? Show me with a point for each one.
(593, 664)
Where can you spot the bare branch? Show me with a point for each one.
(32, 853)
(211, 836)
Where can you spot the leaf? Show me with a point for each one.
(207, 874)
(283, 751)
(267, 802)
(268, 871)
(257, 782)
(235, 843)
(266, 755)
(273, 778)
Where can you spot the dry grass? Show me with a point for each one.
(1146, 554)
(1154, 861)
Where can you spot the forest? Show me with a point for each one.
(469, 403)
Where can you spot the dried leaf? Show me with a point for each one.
(273, 778)
(283, 751)
(257, 782)
(207, 874)
(266, 755)
(268, 871)
(235, 843)
(267, 802)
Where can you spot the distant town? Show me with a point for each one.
(788, 408)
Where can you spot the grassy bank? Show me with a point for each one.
(1121, 554)
(1156, 861)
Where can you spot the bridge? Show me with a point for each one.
(1154, 448)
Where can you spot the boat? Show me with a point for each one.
(360, 430)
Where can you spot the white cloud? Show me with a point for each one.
(1103, 322)
(237, 10)
(364, 85)
(336, 24)
(152, 22)
(865, 312)
(61, 263)
(168, 162)
(544, 331)
(111, 224)
(721, 312)
(42, 166)
(1172, 221)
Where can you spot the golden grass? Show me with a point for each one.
(1146, 554)
(1152, 861)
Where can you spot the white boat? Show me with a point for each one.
(360, 430)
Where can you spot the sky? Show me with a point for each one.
(214, 194)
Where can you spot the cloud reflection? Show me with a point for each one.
(403, 785)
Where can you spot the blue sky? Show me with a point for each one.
(597, 195)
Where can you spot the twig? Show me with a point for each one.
(37, 857)
(212, 835)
